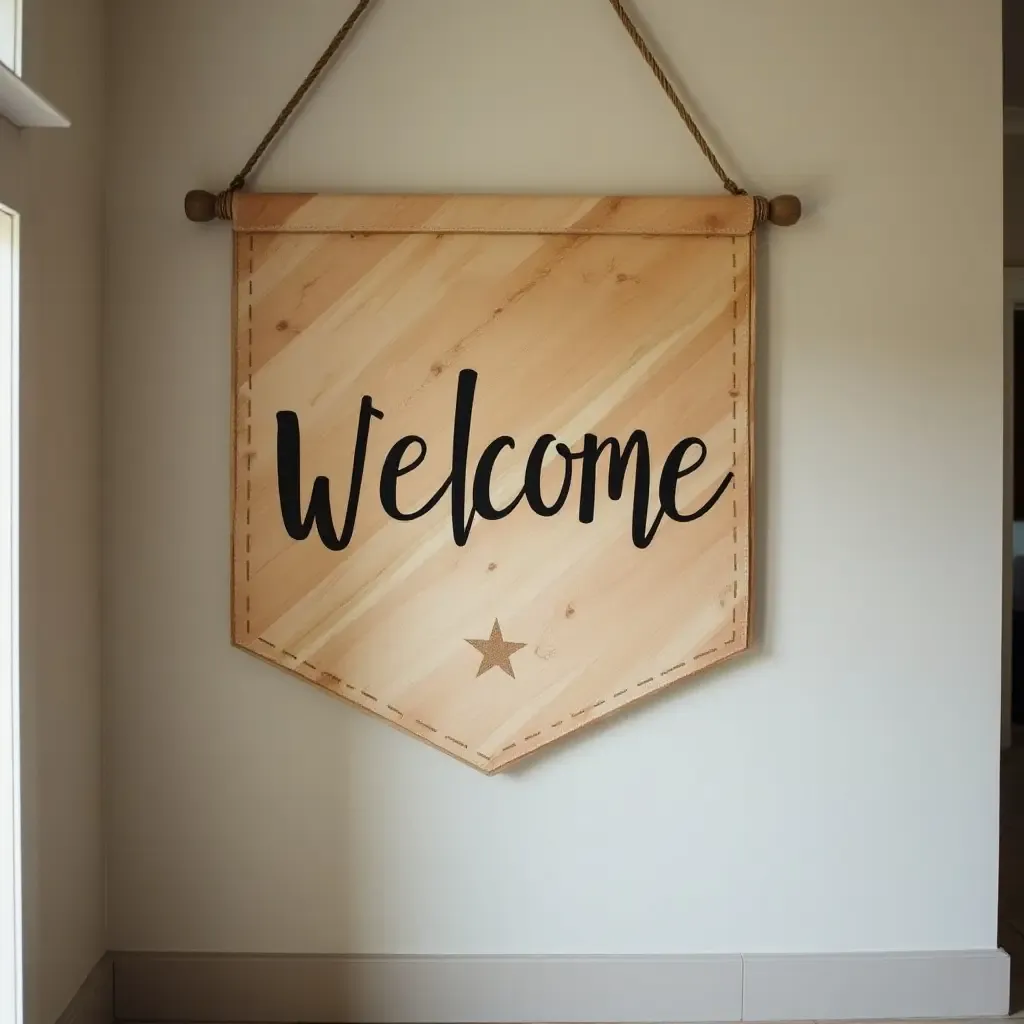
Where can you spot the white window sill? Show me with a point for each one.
(24, 107)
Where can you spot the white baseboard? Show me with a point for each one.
(869, 986)
(426, 989)
(503, 989)
(94, 1001)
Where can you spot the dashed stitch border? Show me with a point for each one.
(248, 451)
(341, 686)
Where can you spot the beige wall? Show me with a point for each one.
(834, 790)
(54, 180)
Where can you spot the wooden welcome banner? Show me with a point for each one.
(492, 454)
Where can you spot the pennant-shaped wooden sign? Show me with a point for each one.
(492, 475)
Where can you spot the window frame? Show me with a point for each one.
(11, 920)
(11, 18)
(19, 103)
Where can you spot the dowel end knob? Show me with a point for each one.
(201, 206)
(784, 211)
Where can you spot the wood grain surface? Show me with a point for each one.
(570, 332)
(521, 214)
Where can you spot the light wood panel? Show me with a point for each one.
(521, 214)
(536, 625)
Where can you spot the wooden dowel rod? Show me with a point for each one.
(784, 211)
(202, 206)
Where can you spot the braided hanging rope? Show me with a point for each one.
(238, 181)
(670, 92)
(202, 206)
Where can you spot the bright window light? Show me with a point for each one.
(10, 756)
(10, 34)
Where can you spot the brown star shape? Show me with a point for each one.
(496, 651)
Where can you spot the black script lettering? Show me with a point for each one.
(534, 468)
(618, 463)
(319, 510)
(461, 522)
(482, 481)
(393, 469)
(456, 480)
(673, 471)
(636, 451)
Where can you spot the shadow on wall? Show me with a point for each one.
(1017, 636)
